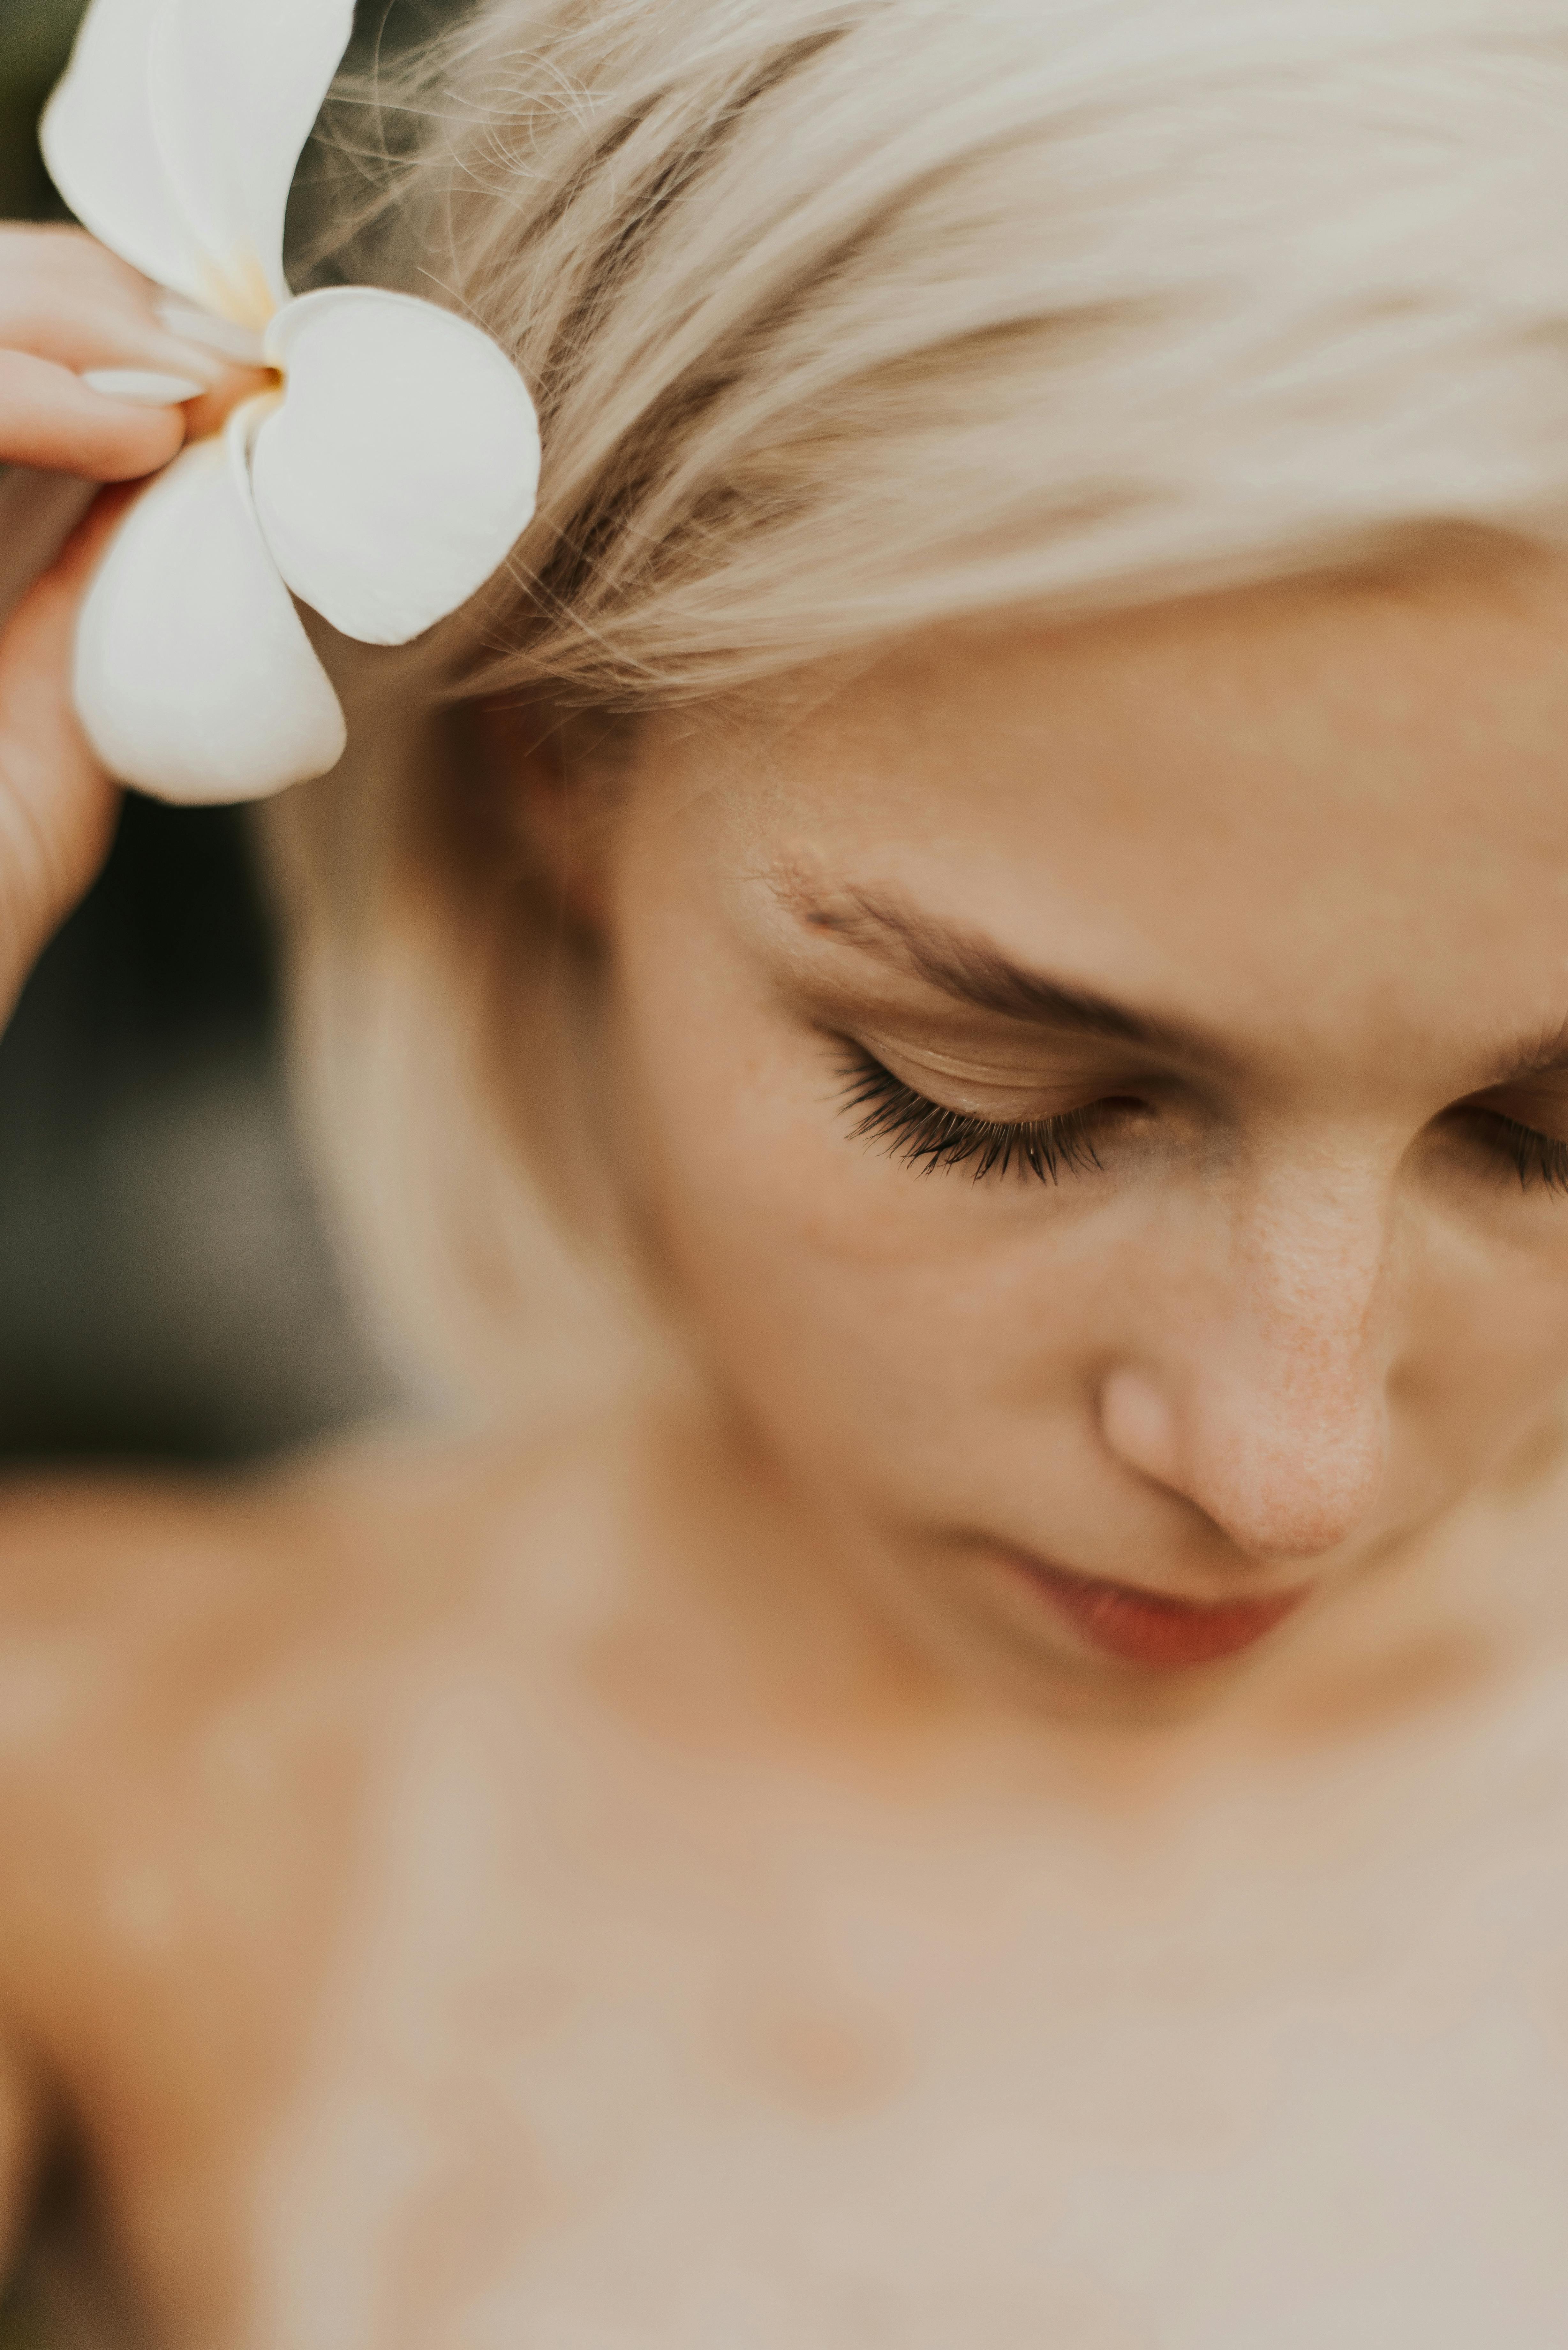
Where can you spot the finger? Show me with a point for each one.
(38, 512)
(69, 259)
(51, 524)
(76, 333)
(64, 297)
(49, 418)
(78, 559)
(56, 807)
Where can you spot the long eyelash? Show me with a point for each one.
(925, 1136)
(1536, 1158)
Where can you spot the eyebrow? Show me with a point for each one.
(1548, 1059)
(972, 970)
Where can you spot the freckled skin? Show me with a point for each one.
(684, 1884)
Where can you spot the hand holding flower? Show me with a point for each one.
(72, 319)
(382, 476)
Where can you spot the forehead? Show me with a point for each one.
(1332, 791)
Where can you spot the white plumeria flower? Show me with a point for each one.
(383, 481)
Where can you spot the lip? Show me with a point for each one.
(1138, 1626)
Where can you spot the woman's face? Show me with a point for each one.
(1102, 1097)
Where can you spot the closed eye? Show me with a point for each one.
(1540, 1160)
(925, 1136)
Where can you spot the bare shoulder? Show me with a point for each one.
(164, 1597)
(67, 1538)
(113, 1572)
(102, 1572)
(195, 1669)
(216, 1698)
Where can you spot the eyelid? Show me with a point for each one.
(1538, 1157)
(1526, 1101)
(926, 1137)
(954, 1065)
(1013, 1093)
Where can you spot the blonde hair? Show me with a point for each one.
(851, 317)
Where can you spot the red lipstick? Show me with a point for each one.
(1148, 1627)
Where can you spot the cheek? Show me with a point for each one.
(1485, 1343)
(899, 1330)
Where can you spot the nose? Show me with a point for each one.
(1265, 1403)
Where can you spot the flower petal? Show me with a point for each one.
(241, 344)
(236, 87)
(102, 150)
(194, 678)
(401, 466)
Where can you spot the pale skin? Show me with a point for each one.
(688, 1884)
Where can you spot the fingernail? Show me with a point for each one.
(238, 343)
(140, 388)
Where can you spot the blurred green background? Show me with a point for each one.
(165, 1290)
(34, 37)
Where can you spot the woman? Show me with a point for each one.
(999, 1775)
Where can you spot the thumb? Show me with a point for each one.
(57, 806)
